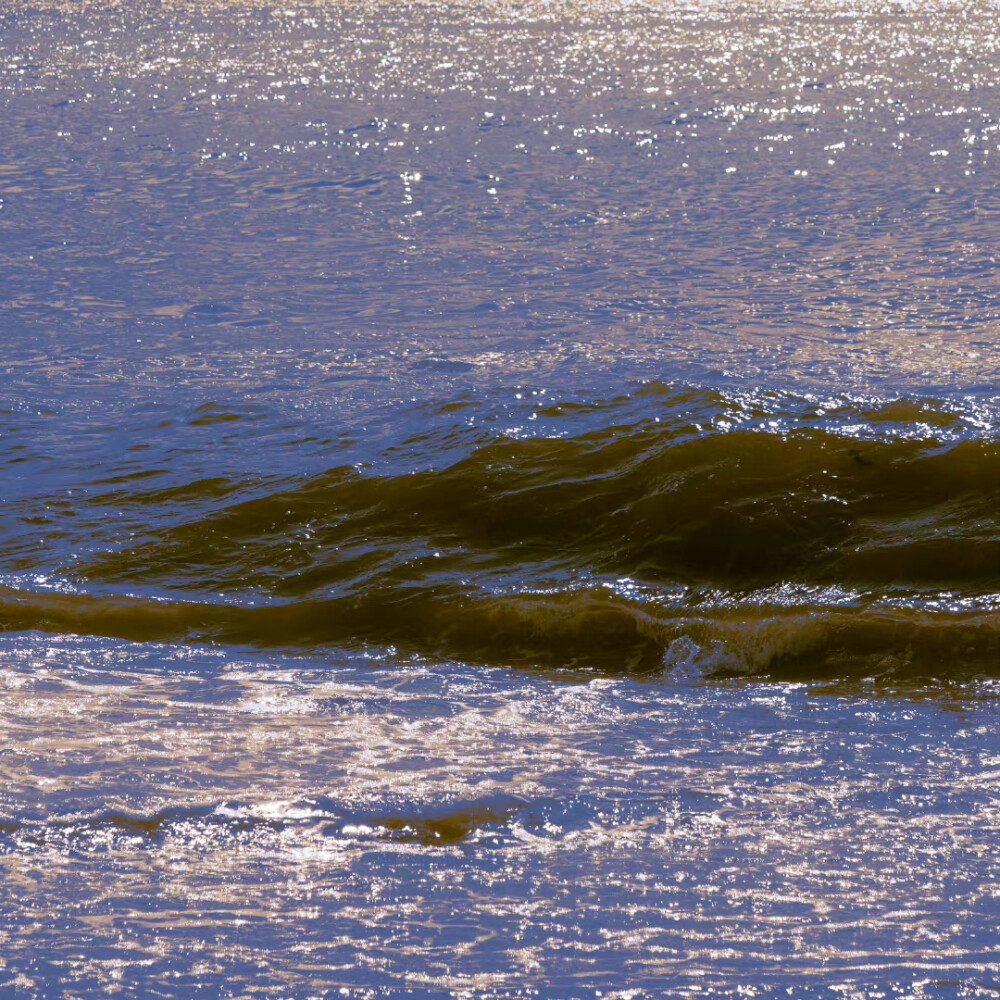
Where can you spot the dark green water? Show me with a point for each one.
(499, 501)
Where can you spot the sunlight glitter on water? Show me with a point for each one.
(705, 835)
(499, 500)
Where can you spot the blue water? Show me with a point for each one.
(499, 501)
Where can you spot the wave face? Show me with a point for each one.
(705, 503)
(668, 527)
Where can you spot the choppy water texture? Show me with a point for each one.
(499, 501)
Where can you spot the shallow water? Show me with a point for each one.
(499, 500)
(238, 827)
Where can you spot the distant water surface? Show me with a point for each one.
(499, 500)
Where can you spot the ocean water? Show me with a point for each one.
(499, 500)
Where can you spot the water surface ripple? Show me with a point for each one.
(499, 500)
